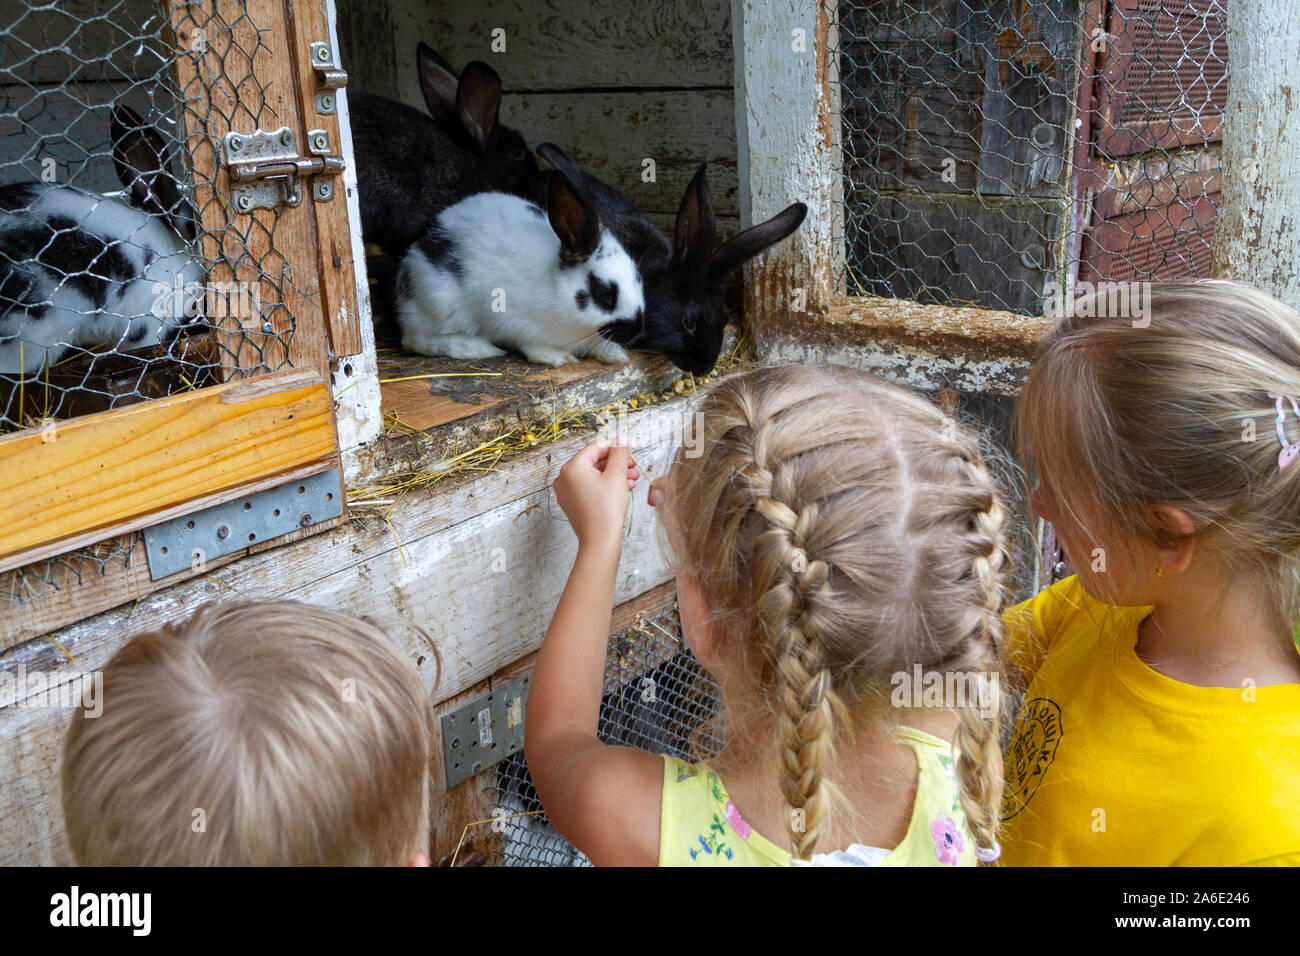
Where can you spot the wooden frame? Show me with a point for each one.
(787, 124)
(76, 482)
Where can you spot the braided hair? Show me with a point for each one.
(849, 530)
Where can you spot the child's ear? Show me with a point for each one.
(690, 606)
(1174, 544)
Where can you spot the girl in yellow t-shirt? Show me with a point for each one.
(1161, 720)
(836, 538)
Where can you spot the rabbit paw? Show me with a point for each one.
(452, 346)
(609, 352)
(542, 355)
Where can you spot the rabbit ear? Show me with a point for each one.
(141, 160)
(693, 239)
(439, 83)
(745, 245)
(560, 160)
(478, 98)
(573, 217)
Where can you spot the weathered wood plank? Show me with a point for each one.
(925, 346)
(104, 474)
(612, 133)
(51, 594)
(338, 285)
(441, 576)
(556, 44)
(788, 146)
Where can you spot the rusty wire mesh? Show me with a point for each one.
(76, 336)
(656, 698)
(992, 149)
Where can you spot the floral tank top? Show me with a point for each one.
(700, 826)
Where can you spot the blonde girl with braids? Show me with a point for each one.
(834, 537)
(1161, 724)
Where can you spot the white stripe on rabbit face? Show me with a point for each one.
(107, 296)
(489, 274)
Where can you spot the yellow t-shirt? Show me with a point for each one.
(1115, 764)
(700, 826)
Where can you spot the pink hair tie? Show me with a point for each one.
(1290, 452)
(989, 854)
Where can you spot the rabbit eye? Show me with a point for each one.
(690, 325)
(518, 155)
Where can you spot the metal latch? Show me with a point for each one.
(484, 731)
(192, 540)
(330, 76)
(264, 168)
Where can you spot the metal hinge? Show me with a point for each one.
(486, 730)
(264, 168)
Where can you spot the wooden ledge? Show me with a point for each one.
(436, 408)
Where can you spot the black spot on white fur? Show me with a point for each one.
(71, 256)
(583, 298)
(604, 294)
(439, 249)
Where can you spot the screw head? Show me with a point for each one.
(323, 53)
(320, 141)
(305, 520)
(236, 143)
(244, 203)
(324, 190)
(286, 137)
(327, 102)
(223, 532)
(455, 742)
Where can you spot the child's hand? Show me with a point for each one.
(593, 490)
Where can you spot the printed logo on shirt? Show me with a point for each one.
(1038, 733)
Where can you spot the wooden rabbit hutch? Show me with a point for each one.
(955, 157)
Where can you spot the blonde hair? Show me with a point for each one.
(848, 530)
(1174, 410)
(255, 733)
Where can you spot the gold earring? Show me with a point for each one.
(1160, 572)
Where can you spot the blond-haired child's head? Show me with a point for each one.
(255, 733)
(1149, 434)
(846, 531)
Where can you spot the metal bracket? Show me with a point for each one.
(486, 730)
(264, 167)
(331, 75)
(190, 541)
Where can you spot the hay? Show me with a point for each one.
(383, 495)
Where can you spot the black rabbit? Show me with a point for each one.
(410, 166)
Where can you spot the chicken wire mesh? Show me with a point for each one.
(656, 698)
(995, 153)
(109, 226)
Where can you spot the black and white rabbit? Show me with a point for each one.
(685, 308)
(80, 269)
(496, 270)
(410, 166)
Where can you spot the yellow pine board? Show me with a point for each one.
(102, 471)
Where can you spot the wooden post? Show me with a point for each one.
(1256, 233)
(788, 144)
